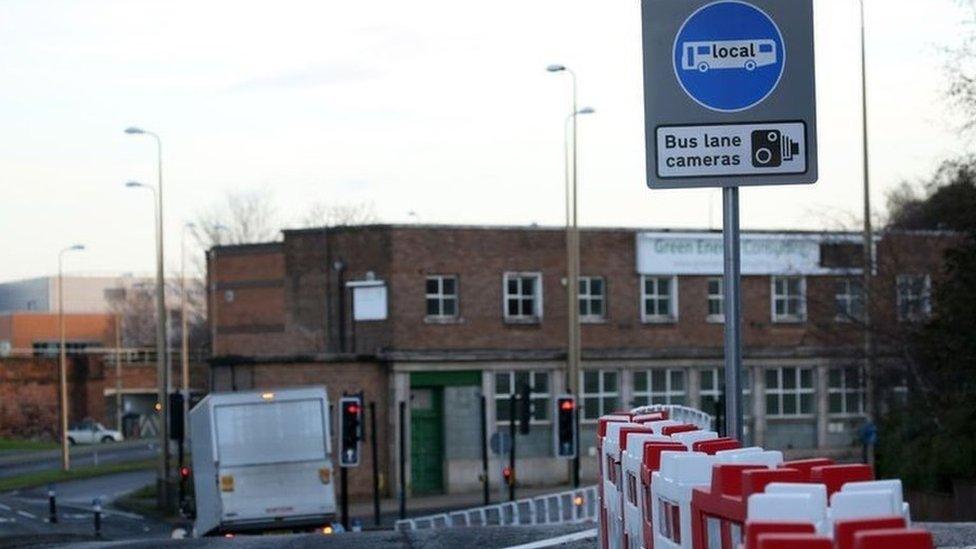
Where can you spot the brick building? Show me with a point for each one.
(95, 318)
(437, 316)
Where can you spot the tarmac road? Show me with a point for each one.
(24, 513)
(19, 463)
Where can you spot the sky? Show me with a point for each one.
(434, 111)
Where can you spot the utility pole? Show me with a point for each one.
(869, 366)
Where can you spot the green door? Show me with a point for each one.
(426, 440)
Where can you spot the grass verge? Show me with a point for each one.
(8, 444)
(42, 478)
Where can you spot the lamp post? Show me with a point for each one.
(870, 380)
(574, 346)
(572, 246)
(162, 370)
(63, 359)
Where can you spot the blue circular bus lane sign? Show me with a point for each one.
(729, 56)
(729, 93)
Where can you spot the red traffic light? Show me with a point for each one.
(566, 405)
(352, 408)
(185, 472)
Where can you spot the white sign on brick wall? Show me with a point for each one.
(665, 253)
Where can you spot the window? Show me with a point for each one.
(913, 297)
(789, 299)
(508, 383)
(659, 387)
(523, 297)
(849, 299)
(592, 298)
(713, 385)
(601, 393)
(658, 297)
(845, 388)
(789, 392)
(716, 301)
(442, 297)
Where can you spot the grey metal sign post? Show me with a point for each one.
(729, 100)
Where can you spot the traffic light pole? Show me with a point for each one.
(344, 497)
(485, 485)
(511, 454)
(376, 463)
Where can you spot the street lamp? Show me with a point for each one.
(162, 369)
(63, 359)
(574, 348)
(868, 236)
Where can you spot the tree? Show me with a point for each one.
(244, 217)
(321, 214)
(932, 441)
(947, 203)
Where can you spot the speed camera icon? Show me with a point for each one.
(770, 148)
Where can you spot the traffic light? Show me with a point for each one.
(508, 475)
(566, 426)
(176, 416)
(350, 430)
(525, 410)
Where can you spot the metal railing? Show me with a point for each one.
(684, 414)
(571, 506)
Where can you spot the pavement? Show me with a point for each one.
(14, 463)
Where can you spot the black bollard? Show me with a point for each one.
(97, 508)
(52, 506)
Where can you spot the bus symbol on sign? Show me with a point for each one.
(729, 54)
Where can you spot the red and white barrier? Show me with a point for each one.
(668, 482)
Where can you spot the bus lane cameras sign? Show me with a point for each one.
(729, 92)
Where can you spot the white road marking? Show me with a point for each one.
(25, 514)
(4, 507)
(5, 520)
(578, 536)
(132, 516)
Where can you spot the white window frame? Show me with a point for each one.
(718, 375)
(536, 315)
(602, 394)
(441, 297)
(589, 298)
(502, 399)
(672, 315)
(903, 282)
(795, 393)
(668, 393)
(788, 318)
(848, 297)
(843, 390)
(719, 297)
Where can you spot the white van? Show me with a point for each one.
(262, 461)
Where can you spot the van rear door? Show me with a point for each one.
(273, 460)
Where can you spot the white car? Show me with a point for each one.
(92, 432)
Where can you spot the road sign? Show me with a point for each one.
(729, 93)
(500, 442)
